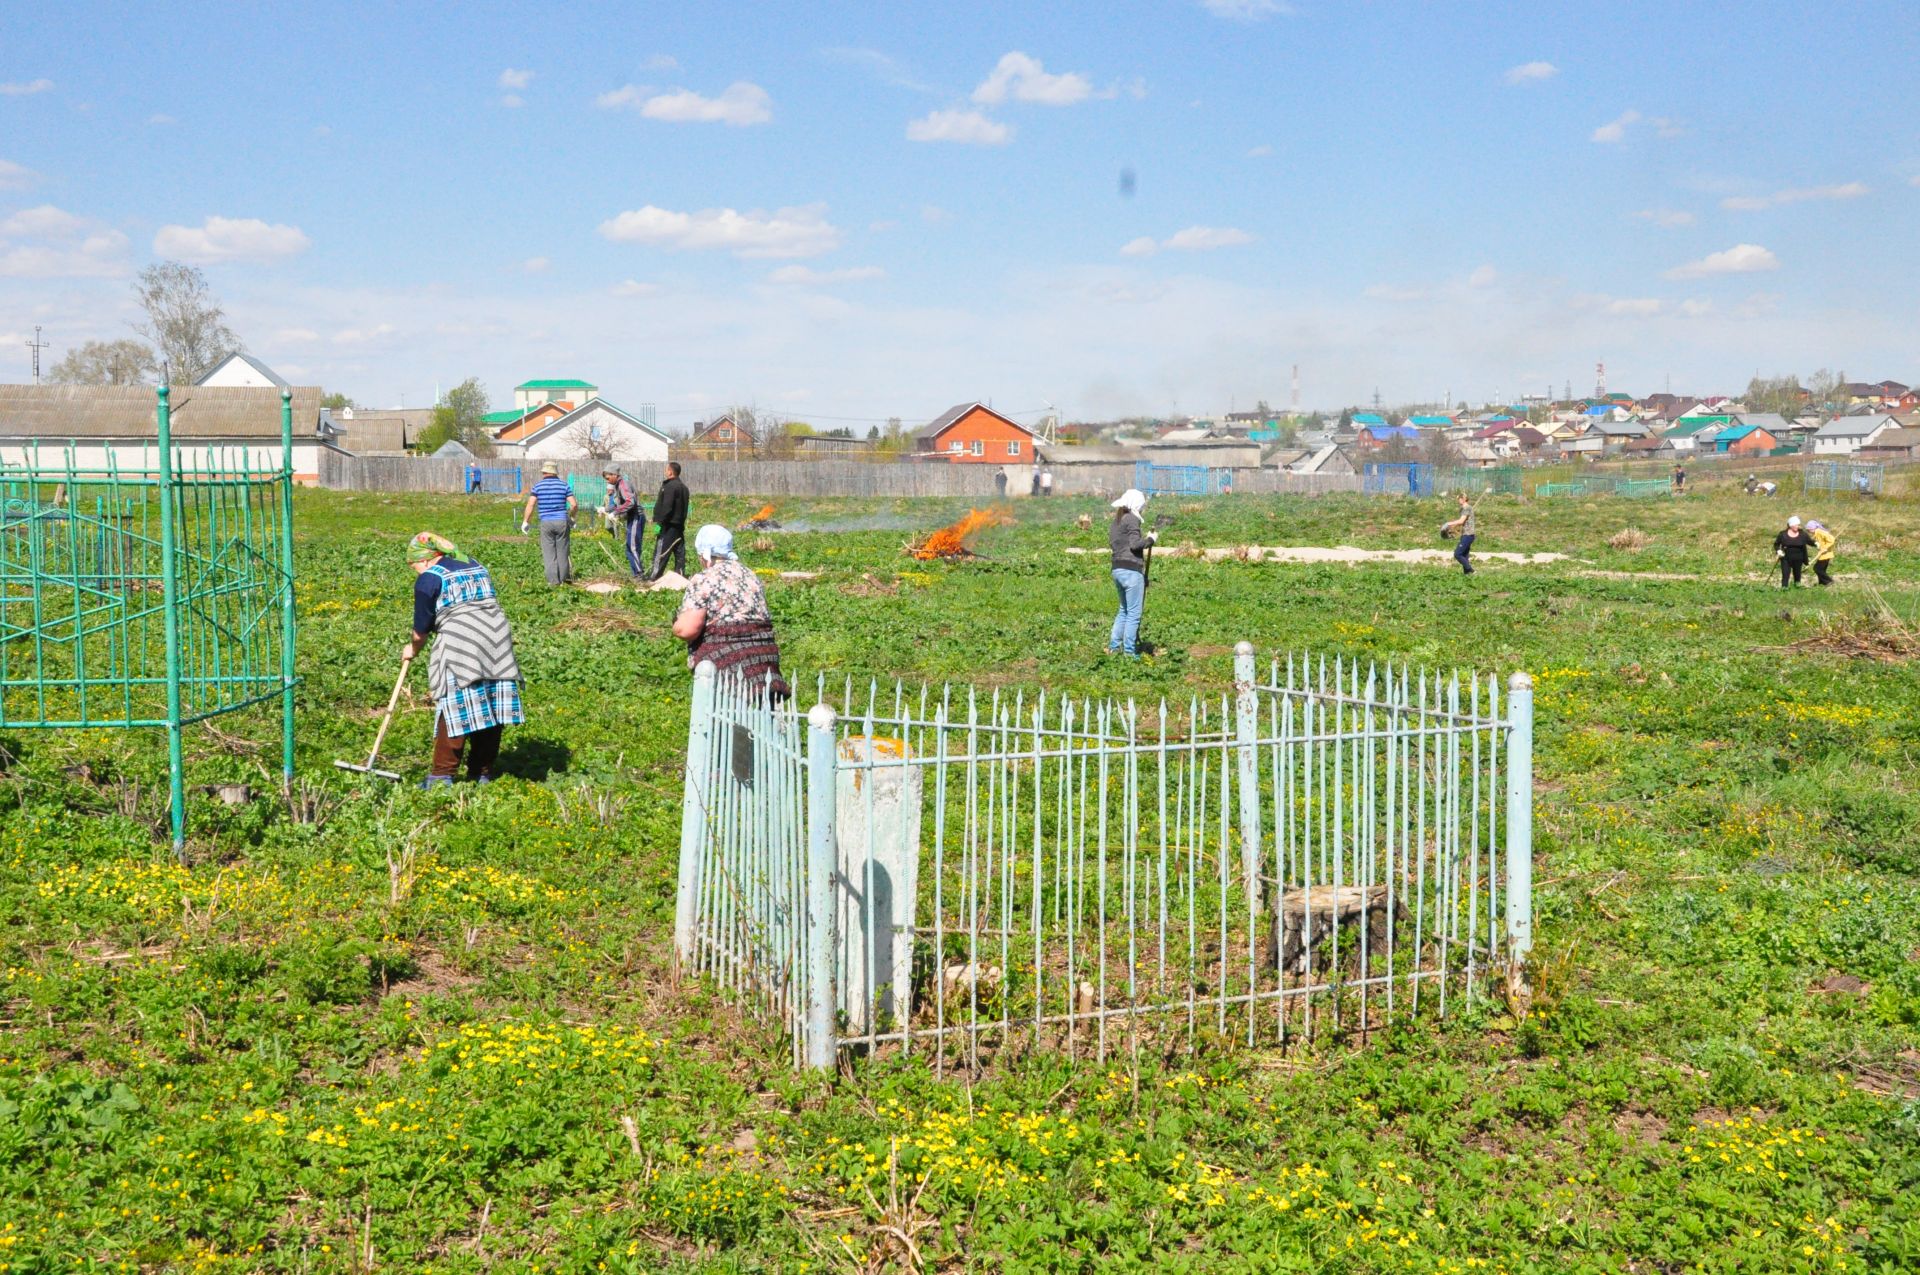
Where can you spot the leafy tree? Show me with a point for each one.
(1780, 394)
(1438, 450)
(337, 401)
(460, 415)
(1825, 387)
(183, 320)
(106, 363)
(1346, 420)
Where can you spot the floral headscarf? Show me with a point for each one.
(427, 545)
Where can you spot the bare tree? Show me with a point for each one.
(184, 321)
(106, 363)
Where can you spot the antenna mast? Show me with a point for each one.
(1599, 380)
(36, 345)
(1296, 389)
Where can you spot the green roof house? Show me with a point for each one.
(531, 394)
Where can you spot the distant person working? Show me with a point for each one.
(670, 524)
(553, 500)
(626, 518)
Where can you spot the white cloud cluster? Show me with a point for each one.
(1192, 239)
(1615, 129)
(1800, 195)
(807, 276)
(536, 265)
(51, 243)
(1024, 79)
(1744, 258)
(1531, 73)
(515, 80)
(801, 231)
(1245, 10)
(968, 128)
(634, 288)
(25, 88)
(223, 239)
(16, 176)
(1665, 218)
(739, 104)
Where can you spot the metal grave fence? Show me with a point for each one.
(1181, 480)
(491, 480)
(158, 594)
(1397, 478)
(1862, 478)
(1323, 848)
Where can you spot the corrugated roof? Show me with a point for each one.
(1853, 426)
(559, 384)
(127, 411)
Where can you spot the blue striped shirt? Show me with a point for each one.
(550, 496)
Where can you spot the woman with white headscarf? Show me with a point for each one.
(1790, 551)
(723, 616)
(1128, 540)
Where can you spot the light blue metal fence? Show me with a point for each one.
(943, 872)
(1396, 478)
(1862, 478)
(1181, 480)
(492, 480)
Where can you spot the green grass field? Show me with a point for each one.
(376, 1028)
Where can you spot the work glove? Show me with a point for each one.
(523, 528)
(1778, 554)
(1153, 537)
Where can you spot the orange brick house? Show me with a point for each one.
(722, 437)
(974, 434)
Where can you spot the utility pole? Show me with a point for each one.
(36, 345)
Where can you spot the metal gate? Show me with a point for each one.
(959, 875)
(1181, 480)
(1862, 478)
(491, 480)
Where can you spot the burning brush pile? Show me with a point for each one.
(952, 542)
(762, 520)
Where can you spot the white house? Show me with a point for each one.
(596, 428)
(1845, 435)
(212, 426)
(241, 371)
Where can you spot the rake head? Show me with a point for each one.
(367, 769)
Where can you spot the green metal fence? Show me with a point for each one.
(154, 595)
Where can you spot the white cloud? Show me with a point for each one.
(221, 239)
(536, 265)
(806, 276)
(634, 288)
(1914, 180)
(1531, 73)
(363, 336)
(885, 68)
(16, 176)
(934, 214)
(51, 243)
(25, 88)
(513, 101)
(661, 62)
(1483, 276)
(1753, 203)
(1260, 152)
(1665, 218)
(1745, 258)
(44, 222)
(1693, 309)
(516, 80)
(295, 336)
(1393, 292)
(1192, 239)
(1615, 129)
(161, 121)
(1023, 78)
(739, 104)
(969, 128)
(1245, 10)
(801, 231)
(1636, 307)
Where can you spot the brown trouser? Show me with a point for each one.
(485, 751)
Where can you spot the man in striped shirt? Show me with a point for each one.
(553, 500)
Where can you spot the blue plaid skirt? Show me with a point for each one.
(479, 707)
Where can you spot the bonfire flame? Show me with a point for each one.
(760, 518)
(951, 542)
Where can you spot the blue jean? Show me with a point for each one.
(636, 537)
(1132, 587)
(1461, 548)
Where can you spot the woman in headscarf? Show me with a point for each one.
(471, 671)
(723, 616)
(1128, 541)
(1790, 551)
(1823, 542)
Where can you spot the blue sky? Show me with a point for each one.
(859, 211)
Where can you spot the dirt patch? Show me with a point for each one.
(1839, 985)
(603, 620)
(868, 587)
(1640, 1127)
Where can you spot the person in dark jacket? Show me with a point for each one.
(627, 518)
(1128, 540)
(1790, 550)
(670, 524)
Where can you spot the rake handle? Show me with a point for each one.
(386, 719)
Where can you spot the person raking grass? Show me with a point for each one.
(723, 616)
(670, 523)
(1823, 542)
(1463, 527)
(1127, 540)
(625, 514)
(553, 500)
(471, 671)
(1790, 551)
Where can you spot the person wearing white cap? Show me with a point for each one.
(553, 500)
(1790, 551)
(1128, 540)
